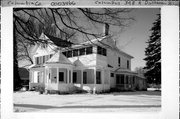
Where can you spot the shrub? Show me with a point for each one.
(40, 89)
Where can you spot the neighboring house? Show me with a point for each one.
(96, 65)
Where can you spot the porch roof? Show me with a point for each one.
(122, 70)
(36, 66)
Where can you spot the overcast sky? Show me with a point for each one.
(134, 37)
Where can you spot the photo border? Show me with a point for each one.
(170, 72)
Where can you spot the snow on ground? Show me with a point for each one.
(142, 101)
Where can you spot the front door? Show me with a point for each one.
(61, 76)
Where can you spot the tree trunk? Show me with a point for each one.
(17, 80)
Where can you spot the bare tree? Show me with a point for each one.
(63, 23)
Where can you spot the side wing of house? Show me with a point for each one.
(37, 71)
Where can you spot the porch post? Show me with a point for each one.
(125, 81)
(57, 76)
(71, 76)
(45, 75)
(67, 75)
(94, 88)
(81, 78)
(102, 77)
(30, 78)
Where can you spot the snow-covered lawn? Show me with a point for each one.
(142, 101)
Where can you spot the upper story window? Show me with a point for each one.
(119, 61)
(42, 59)
(127, 64)
(78, 52)
(75, 52)
(82, 51)
(89, 50)
(69, 53)
(101, 51)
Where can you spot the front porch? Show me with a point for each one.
(90, 80)
(68, 80)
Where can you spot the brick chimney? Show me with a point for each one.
(106, 29)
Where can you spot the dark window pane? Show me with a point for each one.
(61, 76)
(112, 74)
(74, 77)
(119, 61)
(75, 53)
(99, 50)
(127, 79)
(64, 53)
(122, 78)
(98, 77)
(43, 59)
(38, 60)
(82, 51)
(89, 50)
(133, 79)
(117, 79)
(69, 54)
(104, 52)
(84, 77)
(128, 64)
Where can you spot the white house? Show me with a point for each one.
(96, 65)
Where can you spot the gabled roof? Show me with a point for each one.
(58, 58)
(58, 41)
(78, 63)
(43, 36)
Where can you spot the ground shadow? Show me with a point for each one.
(84, 106)
(153, 93)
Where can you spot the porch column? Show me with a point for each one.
(57, 76)
(45, 75)
(81, 78)
(102, 78)
(30, 78)
(67, 75)
(71, 76)
(125, 81)
(94, 88)
(49, 75)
